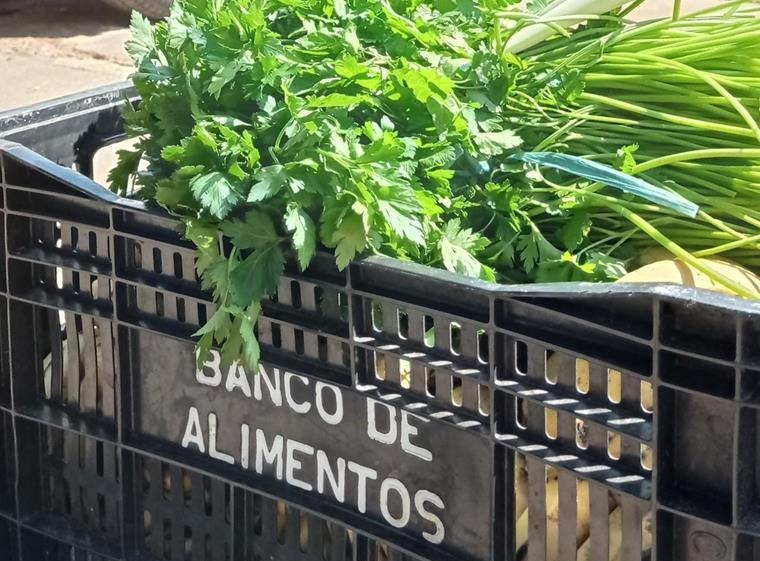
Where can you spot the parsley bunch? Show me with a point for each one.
(362, 126)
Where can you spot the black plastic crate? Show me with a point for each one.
(180, 513)
(70, 484)
(399, 412)
(8, 539)
(40, 547)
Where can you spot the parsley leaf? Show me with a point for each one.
(497, 143)
(216, 192)
(626, 158)
(269, 182)
(349, 239)
(533, 248)
(304, 232)
(121, 175)
(254, 232)
(226, 74)
(257, 276)
(141, 44)
(399, 207)
(575, 230)
(251, 352)
(457, 245)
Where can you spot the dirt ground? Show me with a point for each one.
(50, 48)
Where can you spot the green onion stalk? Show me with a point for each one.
(676, 102)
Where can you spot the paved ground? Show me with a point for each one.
(50, 48)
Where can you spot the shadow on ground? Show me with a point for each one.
(57, 18)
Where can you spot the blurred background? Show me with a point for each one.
(50, 48)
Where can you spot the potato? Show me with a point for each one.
(522, 530)
(615, 534)
(673, 271)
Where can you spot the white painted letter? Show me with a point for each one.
(388, 437)
(338, 483)
(274, 387)
(270, 455)
(193, 431)
(237, 378)
(212, 451)
(292, 465)
(363, 473)
(330, 418)
(301, 408)
(214, 363)
(406, 505)
(408, 430)
(245, 445)
(420, 498)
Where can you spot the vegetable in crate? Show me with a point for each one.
(408, 128)
(673, 102)
(298, 124)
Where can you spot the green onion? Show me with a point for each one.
(684, 92)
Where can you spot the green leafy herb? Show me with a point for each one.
(304, 231)
(282, 128)
(299, 125)
(457, 248)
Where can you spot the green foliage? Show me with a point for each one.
(497, 143)
(457, 248)
(360, 126)
(304, 231)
